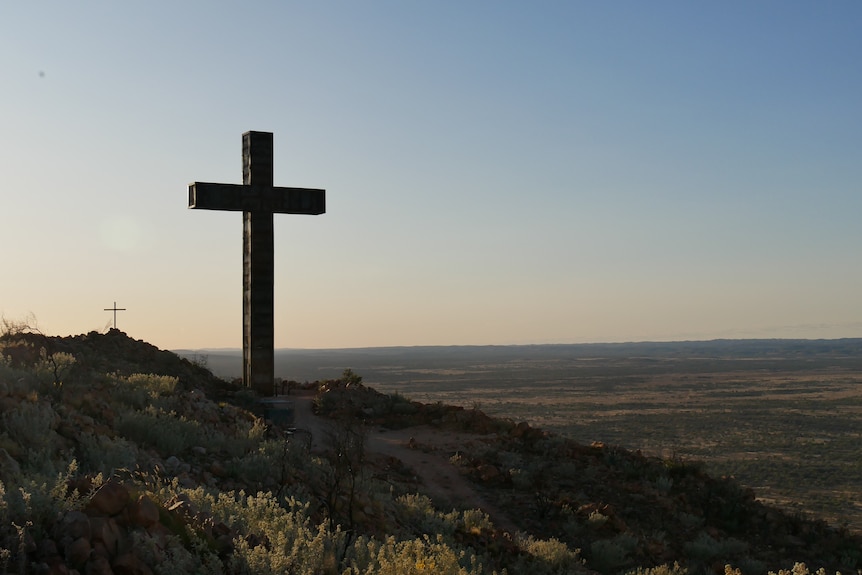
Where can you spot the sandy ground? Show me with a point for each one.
(422, 449)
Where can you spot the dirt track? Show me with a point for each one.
(428, 458)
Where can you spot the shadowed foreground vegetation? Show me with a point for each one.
(117, 457)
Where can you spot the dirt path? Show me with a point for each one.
(427, 455)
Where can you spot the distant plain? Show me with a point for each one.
(782, 416)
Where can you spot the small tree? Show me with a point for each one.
(345, 443)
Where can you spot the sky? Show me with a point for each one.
(497, 172)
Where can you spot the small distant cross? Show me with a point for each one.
(115, 309)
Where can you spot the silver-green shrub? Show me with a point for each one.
(107, 454)
(139, 391)
(547, 557)
(416, 514)
(674, 569)
(611, 554)
(425, 555)
(705, 548)
(169, 433)
(294, 544)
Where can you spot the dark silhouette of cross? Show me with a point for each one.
(115, 309)
(258, 199)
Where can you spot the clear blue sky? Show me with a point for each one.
(496, 172)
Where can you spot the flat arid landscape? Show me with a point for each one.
(782, 416)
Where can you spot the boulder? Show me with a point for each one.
(131, 564)
(488, 472)
(108, 533)
(9, 468)
(110, 499)
(74, 524)
(78, 552)
(143, 512)
(98, 566)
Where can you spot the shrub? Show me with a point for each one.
(171, 557)
(674, 569)
(596, 519)
(663, 483)
(139, 391)
(168, 433)
(107, 454)
(476, 521)
(29, 427)
(611, 554)
(271, 463)
(416, 513)
(705, 548)
(412, 557)
(52, 369)
(547, 556)
(33, 505)
(293, 544)
(521, 479)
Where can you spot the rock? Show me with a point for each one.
(488, 472)
(29, 543)
(99, 566)
(218, 469)
(404, 409)
(99, 550)
(208, 479)
(131, 564)
(57, 567)
(75, 524)
(519, 430)
(82, 484)
(224, 544)
(9, 468)
(219, 529)
(106, 531)
(143, 512)
(160, 535)
(198, 450)
(110, 499)
(187, 481)
(78, 551)
(48, 548)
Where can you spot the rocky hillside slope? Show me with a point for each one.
(117, 457)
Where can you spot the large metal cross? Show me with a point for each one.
(258, 199)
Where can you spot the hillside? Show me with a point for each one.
(117, 457)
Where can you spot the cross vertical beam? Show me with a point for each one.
(258, 269)
(258, 199)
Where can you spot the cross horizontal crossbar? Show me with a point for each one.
(251, 198)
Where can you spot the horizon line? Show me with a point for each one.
(548, 344)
